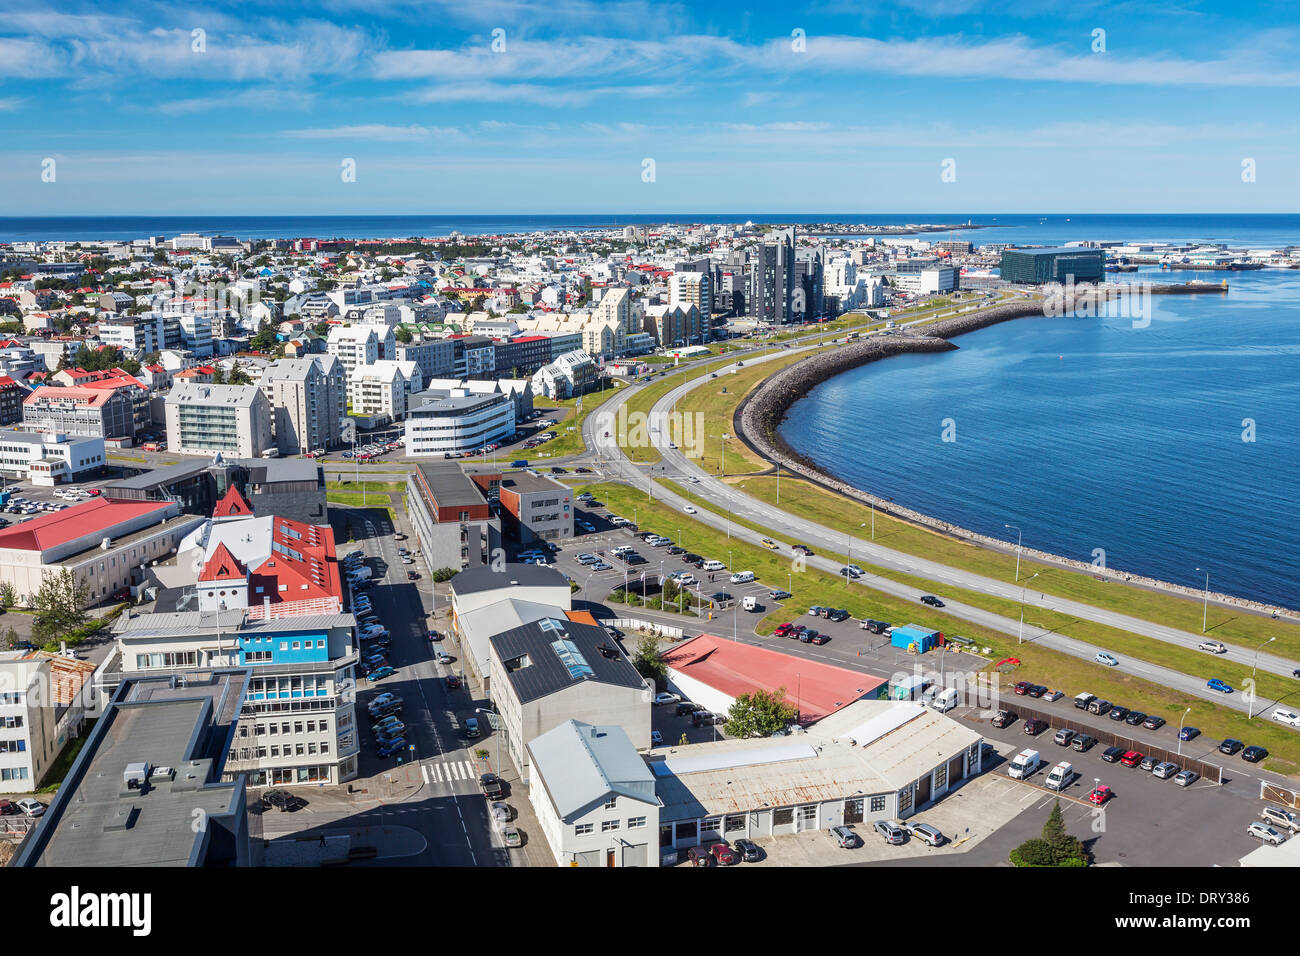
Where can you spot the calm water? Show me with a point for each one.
(1089, 433)
(1238, 230)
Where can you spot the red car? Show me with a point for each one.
(1131, 759)
(1022, 688)
(452, 681)
(819, 638)
(783, 629)
(724, 854)
(1100, 795)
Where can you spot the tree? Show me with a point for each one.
(238, 376)
(8, 594)
(403, 334)
(649, 664)
(60, 605)
(264, 340)
(218, 376)
(1054, 848)
(760, 714)
(9, 639)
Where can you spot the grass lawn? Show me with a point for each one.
(1041, 664)
(570, 442)
(63, 763)
(371, 487)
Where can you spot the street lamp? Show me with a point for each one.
(1021, 638)
(1205, 608)
(1019, 536)
(1180, 730)
(1250, 704)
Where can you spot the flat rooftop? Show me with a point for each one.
(450, 486)
(524, 483)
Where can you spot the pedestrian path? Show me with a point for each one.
(448, 771)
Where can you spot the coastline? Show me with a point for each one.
(759, 415)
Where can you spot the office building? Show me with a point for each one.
(1057, 264)
(534, 507)
(83, 412)
(46, 458)
(456, 421)
(451, 516)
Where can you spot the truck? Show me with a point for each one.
(1060, 776)
(1023, 764)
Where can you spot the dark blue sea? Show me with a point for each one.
(1089, 433)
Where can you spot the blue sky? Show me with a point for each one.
(562, 119)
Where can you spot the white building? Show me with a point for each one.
(594, 797)
(356, 345)
(570, 374)
(308, 399)
(233, 420)
(46, 459)
(455, 421)
(384, 388)
(686, 289)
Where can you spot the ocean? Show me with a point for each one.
(1169, 447)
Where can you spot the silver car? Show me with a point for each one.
(893, 834)
(1164, 770)
(1284, 819)
(844, 837)
(1185, 778)
(927, 834)
(1262, 831)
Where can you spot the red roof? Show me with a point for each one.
(84, 396)
(96, 517)
(223, 566)
(735, 668)
(232, 504)
(302, 561)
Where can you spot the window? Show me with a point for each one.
(635, 823)
(607, 825)
(582, 829)
(878, 804)
(609, 804)
(941, 777)
(904, 800)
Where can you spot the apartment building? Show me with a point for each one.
(84, 412)
(686, 289)
(456, 421)
(436, 358)
(671, 325)
(570, 374)
(384, 388)
(358, 345)
(44, 700)
(141, 333)
(308, 400)
(12, 394)
(452, 517)
(233, 420)
(113, 380)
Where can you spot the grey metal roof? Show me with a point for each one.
(524, 483)
(484, 578)
(192, 623)
(161, 476)
(478, 626)
(549, 671)
(270, 471)
(582, 764)
(449, 485)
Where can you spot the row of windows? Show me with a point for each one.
(289, 775)
(13, 773)
(310, 749)
(13, 697)
(10, 723)
(286, 727)
(13, 746)
(608, 826)
(144, 662)
(307, 684)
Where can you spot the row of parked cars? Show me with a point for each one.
(374, 637)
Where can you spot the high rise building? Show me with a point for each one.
(308, 399)
(772, 279)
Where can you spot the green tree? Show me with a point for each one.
(649, 664)
(8, 594)
(238, 377)
(60, 605)
(1055, 847)
(403, 334)
(264, 340)
(218, 376)
(760, 714)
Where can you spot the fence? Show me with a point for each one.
(1283, 795)
(650, 627)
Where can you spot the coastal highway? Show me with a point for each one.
(675, 465)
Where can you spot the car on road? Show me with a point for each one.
(453, 682)
(931, 600)
(1262, 831)
(1112, 754)
(893, 835)
(1185, 778)
(500, 813)
(1131, 758)
(1230, 746)
(769, 544)
(1222, 686)
(1253, 754)
(748, 850)
(779, 595)
(1100, 794)
(690, 510)
(847, 572)
(379, 673)
(1284, 716)
(1108, 659)
(802, 549)
(1189, 733)
(1082, 743)
(666, 698)
(930, 836)
(1214, 647)
(1005, 718)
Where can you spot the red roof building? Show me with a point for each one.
(232, 505)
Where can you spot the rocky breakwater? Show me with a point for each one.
(759, 416)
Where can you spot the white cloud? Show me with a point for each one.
(372, 131)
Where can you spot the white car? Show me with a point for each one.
(1281, 818)
(690, 510)
(666, 698)
(1262, 831)
(1288, 717)
(1052, 695)
(30, 807)
(1214, 647)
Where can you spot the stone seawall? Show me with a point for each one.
(761, 412)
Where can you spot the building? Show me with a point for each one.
(770, 298)
(535, 508)
(151, 766)
(12, 394)
(570, 374)
(872, 760)
(931, 280)
(44, 699)
(46, 459)
(713, 672)
(671, 325)
(141, 333)
(1055, 264)
(436, 358)
(455, 421)
(520, 391)
(83, 412)
(230, 420)
(545, 672)
(594, 796)
(114, 380)
(103, 542)
(356, 345)
(292, 489)
(308, 400)
(451, 517)
(686, 289)
(383, 389)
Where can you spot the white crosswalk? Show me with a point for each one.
(448, 771)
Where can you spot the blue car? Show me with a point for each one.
(1188, 733)
(1223, 687)
(379, 673)
(391, 747)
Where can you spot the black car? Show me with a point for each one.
(1118, 713)
(877, 627)
(1036, 690)
(490, 784)
(1254, 754)
(1034, 726)
(1230, 746)
(685, 707)
(1112, 754)
(806, 635)
(282, 800)
(1153, 723)
(675, 550)
(1134, 718)
(1005, 718)
(582, 470)
(931, 600)
(748, 850)
(1083, 742)
(720, 597)
(838, 614)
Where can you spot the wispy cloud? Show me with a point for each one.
(372, 131)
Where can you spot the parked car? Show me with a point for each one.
(1150, 763)
(1185, 778)
(1230, 746)
(931, 836)
(1262, 831)
(380, 673)
(778, 595)
(490, 785)
(1254, 754)
(1282, 819)
(893, 835)
(1083, 743)
(1052, 696)
(1118, 713)
(1131, 758)
(1005, 718)
(1153, 722)
(748, 850)
(30, 807)
(1021, 688)
(724, 854)
(1035, 726)
(1100, 794)
(1112, 754)
(698, 856)
(1189, 733)
(1063, 737)
(1134, 718)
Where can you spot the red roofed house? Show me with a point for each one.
(102, 541)
(714, 671)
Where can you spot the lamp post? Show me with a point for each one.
(1205, 606)
(1180, 730)
(1021, 638)
(1250, 704)
(1019, 537)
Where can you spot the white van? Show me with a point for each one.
(749, 603)
(742, 577)
(1060, 777)
(946, 701)
(1024, 763)
(714, 566)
